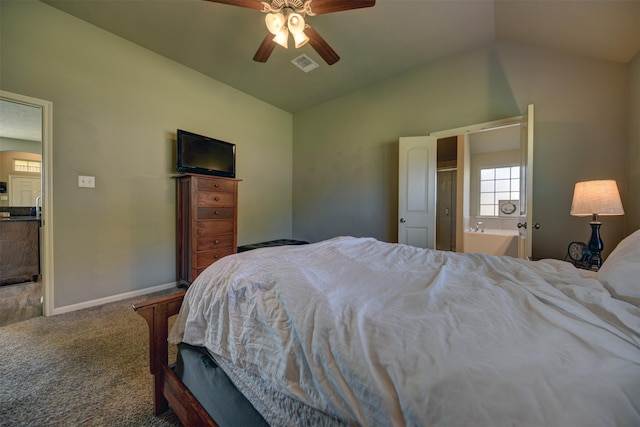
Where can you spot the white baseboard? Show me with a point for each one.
(113, 298)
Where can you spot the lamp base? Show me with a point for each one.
(595, 246)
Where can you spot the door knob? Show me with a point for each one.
(402, 220)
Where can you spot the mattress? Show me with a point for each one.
(216, 384)
(213, 389)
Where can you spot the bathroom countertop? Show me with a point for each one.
(16, 218)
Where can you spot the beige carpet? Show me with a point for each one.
(86, 368)
(20, 302)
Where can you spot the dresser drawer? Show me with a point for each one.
(208, 198)
(216, 185)
(206, 243)
(214, 226)
(206, 258)
(215, 213)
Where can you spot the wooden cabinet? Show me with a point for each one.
(207, 222)
(19, 251)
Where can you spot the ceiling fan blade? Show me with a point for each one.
(320, 7)
(251, 4)
(265, 49)
(322, 47)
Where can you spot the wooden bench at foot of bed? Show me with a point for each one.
(168, 390)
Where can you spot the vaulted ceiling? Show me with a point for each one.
(374, 43)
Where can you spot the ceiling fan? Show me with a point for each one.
(287, 16)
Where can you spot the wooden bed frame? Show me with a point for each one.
(168, 390)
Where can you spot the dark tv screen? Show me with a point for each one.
(205, 155)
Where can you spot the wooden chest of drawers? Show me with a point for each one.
(207, 221)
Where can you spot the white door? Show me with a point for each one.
(24, 190)
(417, 191)
(526, 208)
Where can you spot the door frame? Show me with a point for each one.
(526, 119)
(46, 224)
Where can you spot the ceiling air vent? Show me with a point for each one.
(305, 63)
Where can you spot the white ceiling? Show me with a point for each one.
(19, 121)
(374, 43)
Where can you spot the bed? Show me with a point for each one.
(354, 331)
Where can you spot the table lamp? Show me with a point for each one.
(593, 198)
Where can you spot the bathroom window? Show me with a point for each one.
(501, 183)
(26, 166)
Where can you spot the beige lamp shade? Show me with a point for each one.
(295, 23)
(275, 22)
(300, 39)
(596, 198)
(282, 37)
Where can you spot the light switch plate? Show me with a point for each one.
(86, 181)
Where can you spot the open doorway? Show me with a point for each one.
(446, 193)
(25, 196)
(494, 189)
(511, 208)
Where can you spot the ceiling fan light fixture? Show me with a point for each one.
(284, 16)
(282, 37)
(274, 22)
(300, 39)
(296, 23)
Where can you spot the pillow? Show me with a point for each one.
(621, 271)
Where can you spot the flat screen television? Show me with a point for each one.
(205, 155)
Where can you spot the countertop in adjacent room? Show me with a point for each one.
(16, 218)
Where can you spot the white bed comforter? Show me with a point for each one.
(386, 334)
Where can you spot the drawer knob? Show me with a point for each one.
(215, 242)
(216, 185)
(217, 199)
(216, 256)
(216, 213)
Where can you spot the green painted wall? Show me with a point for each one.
(116, 108)
(345, 152)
